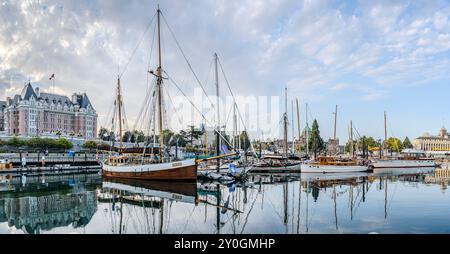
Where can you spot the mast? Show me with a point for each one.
(352, 153)
(159, 92)
(119, 102)
(293, 127)
(285, 125)
(298, 123)
(307, 131)
(385, 132)
(216, 70)
(234, 126)
(335, 121)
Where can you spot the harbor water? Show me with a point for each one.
(383, 202)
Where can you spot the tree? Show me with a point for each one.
(194, 134)
(245, 141)
(15, 142)
(127, 137)
(90, 145)
(140, 136)
(394, 144)
(168, 137)
(104, 134)
(407, 144)
(63, 143)
(316, 143)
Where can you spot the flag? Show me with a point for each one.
(52, 76)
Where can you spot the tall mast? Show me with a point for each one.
(159, 92)
(385, 131)
(335, 121)
(119, 102)
(352, 152)
(234, 125)
(307, 131)
(216, 72)
(298, 122)
(285, 125)
(293, 127)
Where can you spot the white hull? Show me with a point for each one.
(310, 168)
(403, 163)
(148, 167)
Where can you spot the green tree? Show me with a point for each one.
(16, 142)
(407, 144)
(63, 143)
(245, 141)
(168, 137)
(194, 134)
(394, 144)
(104, 134)
(140, 136)
(316, 143)
(90, 145)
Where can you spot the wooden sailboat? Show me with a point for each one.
(402, 161)
(141, 167)
(332, 164)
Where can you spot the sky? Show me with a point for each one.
(365, 56)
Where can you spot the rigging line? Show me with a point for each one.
(193, 105)
(249, 212)
(137, 46)
(173, 106)
(187, 61)
(147, 101)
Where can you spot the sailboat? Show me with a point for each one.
(332, 164)
(412, 160)
(276, 161)
(151, 168)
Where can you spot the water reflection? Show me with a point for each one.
(385, 201)
(41, 203)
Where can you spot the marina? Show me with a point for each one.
(255, 117)
(360, 203)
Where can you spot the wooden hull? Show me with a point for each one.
(177, 171)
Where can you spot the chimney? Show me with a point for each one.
(36, 90)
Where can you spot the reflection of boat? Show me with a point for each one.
(401, 171)
(332, 165)
(328, 177)
(178, 191)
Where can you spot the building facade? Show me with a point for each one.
(429, 143)
(2, 115)
(32, 113)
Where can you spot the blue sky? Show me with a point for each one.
(366, 56)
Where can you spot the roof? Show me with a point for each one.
(56, 98)
(28, 92)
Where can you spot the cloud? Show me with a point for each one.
(309, 46)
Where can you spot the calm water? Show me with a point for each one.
(397, 201)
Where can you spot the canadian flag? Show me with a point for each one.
(52, 76)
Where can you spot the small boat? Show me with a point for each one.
(5, 164)
(332, 165)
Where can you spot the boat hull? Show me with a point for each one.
(310, 168)
(403, 164)
(175, 171)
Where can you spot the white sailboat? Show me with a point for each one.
(411, 160)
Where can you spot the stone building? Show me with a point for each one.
(33, 113)
(429, 143)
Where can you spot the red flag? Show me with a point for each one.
(52, 77)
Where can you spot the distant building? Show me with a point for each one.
(2, 115)
(32, 113)
(429, 143)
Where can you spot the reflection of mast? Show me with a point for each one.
(218, 209)
(121, 215)
(335, 206)
(385, 199)
(161, 218)
(299, 205)
(285, 196)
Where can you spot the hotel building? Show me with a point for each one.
(33, 113)
(429, 143)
